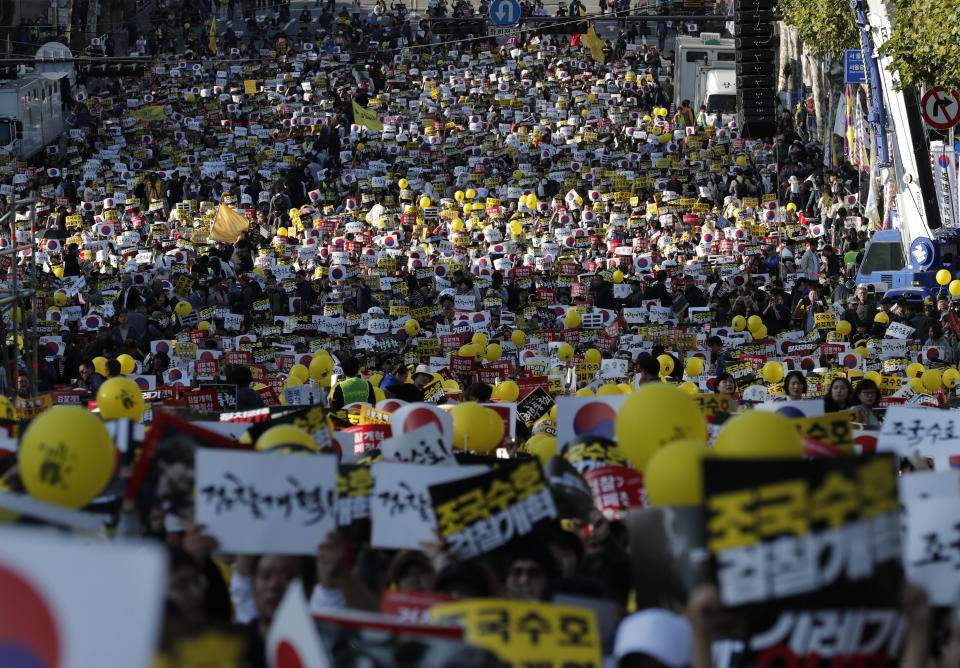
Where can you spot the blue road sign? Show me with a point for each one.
(853, 70)
(504, 12)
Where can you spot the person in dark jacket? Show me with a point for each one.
(71, 263)
(602, 293)
(247, 397)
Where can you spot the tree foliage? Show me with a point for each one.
(925, 44)
(826, 26)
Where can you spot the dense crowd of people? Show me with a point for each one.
(360, 220)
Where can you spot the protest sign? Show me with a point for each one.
(807, 534)
(400, 509)
(254, 503)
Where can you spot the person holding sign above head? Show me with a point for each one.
(353, 389)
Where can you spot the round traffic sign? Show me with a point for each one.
(940, 109)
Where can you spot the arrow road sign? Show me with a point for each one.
(940, 109)
(504, 12)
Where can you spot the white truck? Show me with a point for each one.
(31, 114)
(705, 73)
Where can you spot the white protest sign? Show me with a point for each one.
(464, 302)
(926, 430)
(634, 316)
(425, 445)
(928, 484)
(109, 616)
(613, 368)
(253, 502)
(401, 513)
(599, 412)
(413, 416)
(931, 558)
(898, 330)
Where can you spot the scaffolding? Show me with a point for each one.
(20, 300)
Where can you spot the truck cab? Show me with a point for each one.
(910, 275)
(717, 90)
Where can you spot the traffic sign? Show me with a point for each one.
(940, 109)
(853, 69)
(504, 12)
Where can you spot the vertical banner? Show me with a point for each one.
(944, 161)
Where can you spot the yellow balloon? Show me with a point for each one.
(617, 276)
(471, 193)
(66, 456)
(694, 366)
(120, 398)
(759, 434)
(944, 277)
(458, 196)
(931, 380)
(666, 364)
(100, 365)
(507, 391)
(772, 372)
(654, 415)
(322, 364)
(292, 381)
(882, 318)
(518, 337)
(476, 427)
(285, 437)
(532, 201)
(760, 334)
(608, 389)
(950, 377)
(592, 356)
(874, 376)
(674, 474)
(424, 202)
(565, 352)
(411, 327)
(739, 323)
(741, 161)
(203, 324)
(516, 227)
(403, 183)
(572, 319)
(60, 299)
(917, 385)
(494, 352)
(915, 370)
(183, 309)
(479, 339)
(954, 288)
(754, 323)
(456, 225)
(377, 393)
(7, 411)
(542, 446)
(625, 388)
(127, 364)
(843, 327)
(689, 387)
(791, 206)
(300, 372)
(584, 392)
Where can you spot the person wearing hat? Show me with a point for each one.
(422, 376)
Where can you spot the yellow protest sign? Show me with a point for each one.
(527, 633)
(151, 113)
(833, 429)
(250, 86)
(826, 320)
(366, 117)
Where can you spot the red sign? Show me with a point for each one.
(202, 400)
(67, 396)
(284, 362)
(238, 357)
(461, 365)
(206, 369)
(411, 606)
(451, 341)
(615, 489)
(530, 383)
(368, 436)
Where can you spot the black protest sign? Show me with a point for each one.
(312, 419)
(534, 406)
(354, 487)
(804, 534)
(485, 512)
(227, 394)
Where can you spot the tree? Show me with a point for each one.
(925, 42)
(826, 26)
